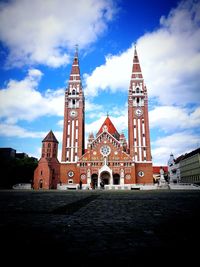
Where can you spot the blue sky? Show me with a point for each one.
(37, 40)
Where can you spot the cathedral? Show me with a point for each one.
(108, 158)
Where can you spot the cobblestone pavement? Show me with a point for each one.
(90, 228)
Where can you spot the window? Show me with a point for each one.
(137, 90)
(73, 92)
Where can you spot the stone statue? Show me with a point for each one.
(162, 178)
(88, 173)
(122, 173)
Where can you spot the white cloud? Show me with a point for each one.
(178, 144)
(170, 118)
(11, 130)
(20, 100)
(114, 75)
(43, 31)
(169, 57)
(60, 123)
(92, 108)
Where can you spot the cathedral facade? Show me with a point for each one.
(108, 159)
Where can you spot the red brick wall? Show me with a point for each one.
(148, 173)
(48, 172)
(65, 168)
(42, 173)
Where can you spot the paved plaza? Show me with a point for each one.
(90, 228)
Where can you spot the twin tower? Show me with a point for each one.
(108, 156)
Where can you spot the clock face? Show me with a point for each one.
(105, 150)
(138, 112)
(141, 173)
(70, 173)
(73, 113)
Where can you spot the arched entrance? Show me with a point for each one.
(116, 178)
(94, 179)
(40, 184)
(105, 176)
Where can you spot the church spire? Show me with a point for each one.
(75, 70)
(136, 69)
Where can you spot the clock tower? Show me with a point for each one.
(74, 116)
(138, 122)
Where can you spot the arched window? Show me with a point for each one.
(40, 183)
(73, 92)
(137, 90)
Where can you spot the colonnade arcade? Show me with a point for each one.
(106, 175)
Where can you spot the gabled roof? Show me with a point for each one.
(110, 128)
(50, 138)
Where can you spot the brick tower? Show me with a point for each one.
(46, 175)
(74, 116)
(138, 124)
